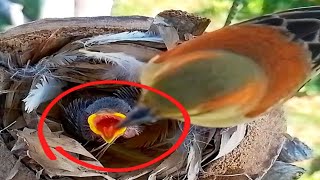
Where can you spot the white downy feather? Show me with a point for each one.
(231, 139)
(65, 58)
(168, 178)
(194, 161)
(175, 162)
(47, 89)
(130, 177)
(168, 33)
(124, 36)
(125, 67)
(57, 60)
(153, 176)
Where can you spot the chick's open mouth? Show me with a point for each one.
(105, 125)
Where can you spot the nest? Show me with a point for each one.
(45, 53)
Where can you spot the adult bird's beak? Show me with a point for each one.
(105, 125)
(139, 115)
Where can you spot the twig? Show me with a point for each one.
(7, 126)
(233, 11)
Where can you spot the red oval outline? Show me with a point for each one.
(60, 149)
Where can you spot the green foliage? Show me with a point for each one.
(312, 87)
(233, 11)
(314, 166)
(216, 10)
(253, 8)
(32, 8)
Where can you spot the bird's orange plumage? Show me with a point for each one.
(247, 96)
(270, 47)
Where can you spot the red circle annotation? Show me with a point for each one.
(60, 149)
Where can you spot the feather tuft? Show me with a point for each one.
(47, 89)
(194, 160)
(124, 36)
(125, 67)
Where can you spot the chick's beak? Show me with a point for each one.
(105, 125)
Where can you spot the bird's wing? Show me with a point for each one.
(303, 27)
(207, 80)
(303, 23)
(280, 47)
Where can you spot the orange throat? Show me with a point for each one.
(104, 125)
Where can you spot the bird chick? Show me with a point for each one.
(96, 119)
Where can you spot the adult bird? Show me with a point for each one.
(231, 75)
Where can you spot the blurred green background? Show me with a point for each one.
(303, 111)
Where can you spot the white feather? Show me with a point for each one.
(57, 60)
(124, 36)
(47, 89)
(136, 176)
(125, 67)
(168, 178)
(194, 160)
(153, 176)
(231, 139)
(175, 162)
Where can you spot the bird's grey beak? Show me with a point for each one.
(138, 116)
(134, 122)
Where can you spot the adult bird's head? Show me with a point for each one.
(231, 75)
